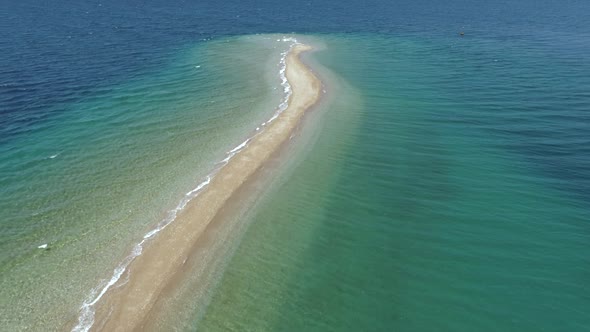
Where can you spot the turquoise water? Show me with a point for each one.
(424, 211)
(443, 184)
(91, 181)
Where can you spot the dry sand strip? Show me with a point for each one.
(127, 307)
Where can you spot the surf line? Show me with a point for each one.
(302, 90)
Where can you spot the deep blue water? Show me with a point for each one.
(57, 52)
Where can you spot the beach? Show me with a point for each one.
(125, 307)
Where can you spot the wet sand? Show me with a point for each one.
(128, 307)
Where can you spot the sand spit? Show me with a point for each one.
(126, 308)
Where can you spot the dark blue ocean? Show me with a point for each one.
(447, 188)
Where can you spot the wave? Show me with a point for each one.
(87, 310)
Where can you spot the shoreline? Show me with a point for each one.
(128, 303)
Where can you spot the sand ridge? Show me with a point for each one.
(127, 307)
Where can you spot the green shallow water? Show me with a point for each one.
(417, 209)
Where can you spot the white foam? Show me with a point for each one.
(53, 156)
(87, 312)
(239, 147)
(284, 82)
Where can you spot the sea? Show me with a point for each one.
(443, 183)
